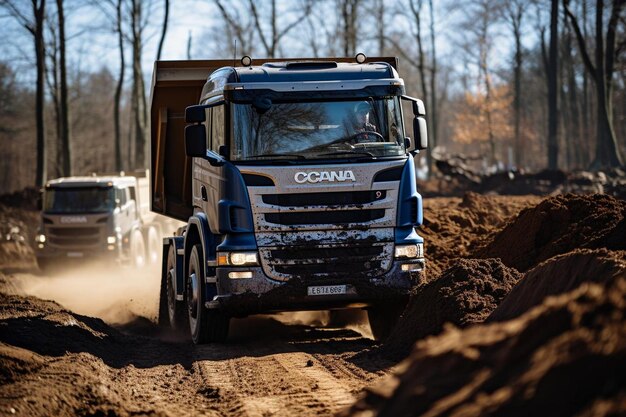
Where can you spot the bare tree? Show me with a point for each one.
(63, 100)
(138, 96)
(433, 111)
(242, 30)
(35, 26)
(166, 14)
(514, 14)
(270, 42)
(349, 10)
(553, 87)
(607, 153)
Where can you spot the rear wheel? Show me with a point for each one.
(154, 245)
(171, 311)
(137, 249)
(383, 319)
(205, 325)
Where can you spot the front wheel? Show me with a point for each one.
(383, 319)
(205, 325)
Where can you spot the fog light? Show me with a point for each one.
(240, 275)
(41, 238)
(111, 240)
(412, 267)
(40, 245)
(410, 251)
(111, 247)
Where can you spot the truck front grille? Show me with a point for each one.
(355, 260)
(324, 217)
(73, 236)
(324, 199)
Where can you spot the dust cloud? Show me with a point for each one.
(116, 294)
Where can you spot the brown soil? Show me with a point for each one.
(464, 294)
(559, 275)
(566, 357)
(455, 227)
(561, 355)
(559, 225)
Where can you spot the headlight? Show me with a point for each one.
(410, 251)
(111, 240)
(40, 238)
(237, 258)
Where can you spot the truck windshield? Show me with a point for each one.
(79, 200)
(318, 130)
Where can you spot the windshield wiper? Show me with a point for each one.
(275, 155)
(347, 152)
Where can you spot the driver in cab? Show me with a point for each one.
(362, 125)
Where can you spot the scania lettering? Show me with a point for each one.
(332, 176)
(296, 180)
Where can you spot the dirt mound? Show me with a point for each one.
(17, 234)
(566, 357)
(559, 275)
(464, 294)
(28, 199)
(455, 227)
(559, 225)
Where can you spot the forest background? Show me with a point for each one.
(511, 84)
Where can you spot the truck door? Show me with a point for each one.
(209, 179)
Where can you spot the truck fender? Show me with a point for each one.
(178, 274)
(199, 224)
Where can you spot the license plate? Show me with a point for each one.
(327, 290)
(74, 254)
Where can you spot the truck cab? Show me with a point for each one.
(298, 186)
(89, 218)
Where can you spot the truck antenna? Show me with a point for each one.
(235, 54)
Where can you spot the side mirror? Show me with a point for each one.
(407, 143)
(195, 114)
(195, 140)
(118, 203)
(420, 132)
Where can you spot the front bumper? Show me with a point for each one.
(261, 294)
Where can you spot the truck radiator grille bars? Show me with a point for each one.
(331, 199)
(327, 261)
(74, 236)
(324, 217)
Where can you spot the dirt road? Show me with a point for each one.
(57, 362)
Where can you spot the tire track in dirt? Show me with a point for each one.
(260, 378)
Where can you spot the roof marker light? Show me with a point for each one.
(360, 57)
(246, 61)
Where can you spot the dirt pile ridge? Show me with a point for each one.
(455, 227)
(565, 357)
(464, 294)
(559, 225)
(559, 275)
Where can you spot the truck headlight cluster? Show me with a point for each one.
(111, 240)
(237, 258)
(410, 251)
(40, 238)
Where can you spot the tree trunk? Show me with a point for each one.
(64, 106)
(39, 13)
(433, 111)
(516, 22)
(118, 91)
(164, 29)
(553, 147)
(139, 98)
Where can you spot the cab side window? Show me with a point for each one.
(217, 128)
(120, 195)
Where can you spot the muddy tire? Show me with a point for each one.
(204, 325)
(137, 249)
(153, 237)
(172, 313)
(383, 319)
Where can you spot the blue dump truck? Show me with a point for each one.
(296, 180)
